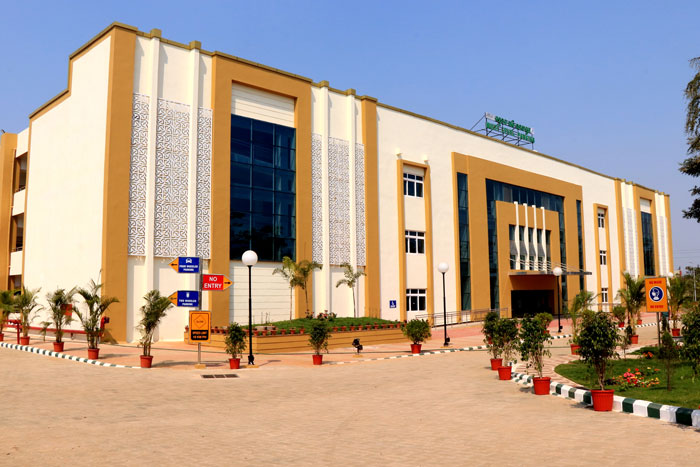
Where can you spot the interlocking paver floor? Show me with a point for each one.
(446, 409)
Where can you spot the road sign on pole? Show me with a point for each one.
(657, 297)
(186, 298)
(186, 264)
(200, 324)
(215, 282)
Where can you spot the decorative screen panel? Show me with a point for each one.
(203, 182)
(360, 203)
(316, 198)
(138, 173)
(339, 200)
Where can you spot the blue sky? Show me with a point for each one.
(600, 82)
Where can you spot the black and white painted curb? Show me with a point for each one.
(51, 353)
(428, 352)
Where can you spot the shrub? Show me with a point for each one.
(489, 326)
(545, 318)
(691, 339)
(26, 306)
(97, 306)
(506, 338)
(58, 301)
(235, 340)
(417, 331)
(668, 353)
(318, 336)
(598, 340)
(152, 312)
(532, 344)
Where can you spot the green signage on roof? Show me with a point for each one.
(510, 130)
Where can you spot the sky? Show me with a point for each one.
(601, 82)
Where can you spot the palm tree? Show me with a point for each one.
(153, 311)
(26, 306)
(679, 295)
(632, 296)
(582, 301)
(288, 272)
(691, 165)
(301, 276)
(7, 307)
(58, 301)
(351, 281)
(97, 307)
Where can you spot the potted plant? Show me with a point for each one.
(489, 324)
(235, 344)
(318, 338)
(91, 319)
(598, 340)
(507, 334)
(582, 302)
(619, 312)
(417, 331)
(58, 301)
(678, 295)
(26, 306)
(546, 319)
(492, 338)
(532, 350)
(152, 312)
(7, 307)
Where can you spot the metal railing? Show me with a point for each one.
(460, 317)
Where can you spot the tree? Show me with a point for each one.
(351, 281)
(632, 296)
(679, 294)
(582, 301)
(598, 340)
(288, 272)
(301, 277)
(26, 306)
(152, 312)
(691, 165)
(7, 307)
(96, 307)
(58, 301)
(692, 275)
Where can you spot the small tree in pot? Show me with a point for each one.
(7, 307)
(546, 319)
(532, 350)
(417, 331)
(619, 312)
(489, 325)
(506, 335)
(582, 302)
(152, 312)
(598, 340)
(58, 301)
(26, 306)
(91, 320)
(691, 339)
(318, 338)
(679, 294)
(235, 344)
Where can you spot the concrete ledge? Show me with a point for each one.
(51, 353)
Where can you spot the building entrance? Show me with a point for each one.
(531, 302)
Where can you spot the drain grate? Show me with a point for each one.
(227, 375)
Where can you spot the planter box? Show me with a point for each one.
(300, 342)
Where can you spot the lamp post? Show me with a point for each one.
(443, 267)
(250, 258)
(558, 272)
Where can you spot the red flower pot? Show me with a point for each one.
(58, 346)
(93, 354)
(620, 325)
(635, 339)
(264, 333)
(343, 328)
(24, 340)
(284, 332)
(2, 337)
(415, 348)
(301, 331)
(546, 332)
(146, 361)
(574, 349)
(335, 328)
(602, 399)
(639, 321)
(376, 326)
(675, 332)
(318, 359)
(496, 363)
(234, 363)
(504, 373)
(255, 333)
(292, 331)
(489, 341)
(541, 385)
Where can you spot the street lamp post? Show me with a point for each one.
(443, 267)
(558, 272)
(250, 258)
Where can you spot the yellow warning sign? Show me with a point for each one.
(657, 297)
(200, 326)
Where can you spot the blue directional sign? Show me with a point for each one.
(186, 264)
(185, 298)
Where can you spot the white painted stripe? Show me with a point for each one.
(639, 408)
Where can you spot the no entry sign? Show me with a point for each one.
(215, 282)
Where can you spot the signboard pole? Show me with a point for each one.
(199, 307)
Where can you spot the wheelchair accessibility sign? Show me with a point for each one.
(657, 297)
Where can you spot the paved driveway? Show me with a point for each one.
(434, 410)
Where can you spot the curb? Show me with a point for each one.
(51, 353)
(429, 352)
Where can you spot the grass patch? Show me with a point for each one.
(306, 323)
(684, 392)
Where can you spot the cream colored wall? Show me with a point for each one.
(22, 142)
(422, 141)
(270, 293)
(63, 221)
(18, 200)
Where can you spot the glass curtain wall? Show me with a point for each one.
(648, 244)
(464, 263)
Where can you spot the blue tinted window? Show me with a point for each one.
(262, 155)
(262, 133)
(263, 201)
(464, 271)
(240, 174)
(262, 177)
(284, 181)
(285, 136)
(240, 128)
(240, 199)
(240, 152)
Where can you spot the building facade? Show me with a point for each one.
(158, 149)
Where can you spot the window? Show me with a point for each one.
(415, 299)
(601, 219)
(413, 185)
(415, 242)
(463, 211)
(648, 243)
(263, 186)
(604, 295)
(603, 257)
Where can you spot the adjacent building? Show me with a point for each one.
(158, 149)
